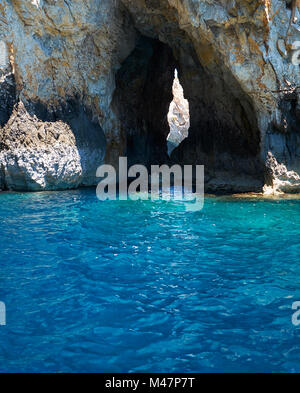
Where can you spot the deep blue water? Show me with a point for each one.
(146, 286)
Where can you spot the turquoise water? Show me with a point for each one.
(147, 287)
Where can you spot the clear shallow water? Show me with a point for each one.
(147, 287)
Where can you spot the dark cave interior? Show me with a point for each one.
(223, 134)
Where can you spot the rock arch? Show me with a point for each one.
(224, 133)
(233, 59)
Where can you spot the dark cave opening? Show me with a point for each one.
(142, 99)
(223, 134)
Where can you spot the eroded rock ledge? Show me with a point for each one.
(82, 83)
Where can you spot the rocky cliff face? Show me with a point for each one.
(82, 82)
(178, 116)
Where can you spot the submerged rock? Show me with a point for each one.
(98, 75)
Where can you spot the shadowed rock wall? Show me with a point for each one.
(142, 99)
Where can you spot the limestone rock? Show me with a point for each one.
(105, 69)
(37, 155)
(282, 179)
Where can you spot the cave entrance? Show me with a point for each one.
(178, 116)
(220, 128)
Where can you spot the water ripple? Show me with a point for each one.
(143, 286)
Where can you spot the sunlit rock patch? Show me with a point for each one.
(178, 116)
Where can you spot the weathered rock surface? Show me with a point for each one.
(60, 58)
(102, 70)
(280, 178)
(37, 155)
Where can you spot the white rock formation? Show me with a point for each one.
(37, 155)
(178, 116)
